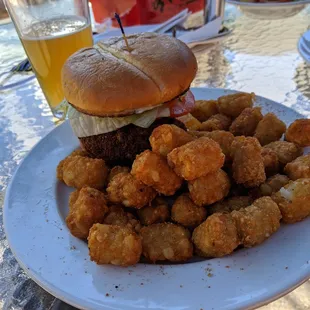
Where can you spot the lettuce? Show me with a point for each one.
(84, 125)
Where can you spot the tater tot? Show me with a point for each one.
(157, 212)
(116, 215)
(190, 121)
(79, 171)
(298, 168)
(230, 204)
(153, 170)
(186, 213)
(115, 170)
(271, 161)
(286, 151)
(299, 132)
(272, 185)
(233, 105)
(124, 188)
(294, 200)
(196, 158)
(167, 137)
(77, 152)
(86, 207)
(204, 109)
(248, 166)
(269, 129)
(210, 188)
(257, 222)
(216, 236)
(246, 123)
(166, 241)
(216, 122)
(223, 138)
(112, 244)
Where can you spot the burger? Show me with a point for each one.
(116, 96)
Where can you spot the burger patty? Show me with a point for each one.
(122, 145)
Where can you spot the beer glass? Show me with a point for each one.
(50, 31)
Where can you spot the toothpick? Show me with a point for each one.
(123, 32)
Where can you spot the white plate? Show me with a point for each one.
(34, 217)
(304, 46)
(270, 10)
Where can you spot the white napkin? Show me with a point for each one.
(202, 34)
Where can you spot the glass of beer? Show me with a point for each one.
(51, 31)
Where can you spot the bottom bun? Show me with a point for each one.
(122, 145)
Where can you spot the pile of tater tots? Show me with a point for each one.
(225, 183)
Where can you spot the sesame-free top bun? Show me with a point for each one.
(107, 80)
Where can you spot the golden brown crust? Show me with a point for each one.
(216, 122)
(166, 241)
(210, 188)
(248, 166)
(245, 124)
(92, 77)
(298, 168)
(269, 129)
(186, 213)
(286, 151)
(196, 159)
(216, 236)
(86, 208)
(257, 222)
(153, 170)
(124, 188)
(112, 244)
(299, 132)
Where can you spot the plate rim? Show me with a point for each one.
(268, 4)
(71, 299)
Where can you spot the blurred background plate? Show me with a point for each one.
(270, 10)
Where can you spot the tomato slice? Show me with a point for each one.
(182, 105)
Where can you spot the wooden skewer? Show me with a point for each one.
(123, 32)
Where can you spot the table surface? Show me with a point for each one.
(260, 56)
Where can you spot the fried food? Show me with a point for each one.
(286, 151)
(248, 166)
(190, 121)
(216, 236)
(223, 138)
(298, 168)
(230, 204)
(196, 158)
(76, 152)
(166, 241)
(299, 132)
(272, 185)
(79, 171)
(153, 170)
(204, 109)
(269, 129)
(116, 170)
(271, 161)
(112, 244)
(118, 216)
(216, 122)
(233, 105)
(246, 123)
(257, 222)
(167, 137)
(210, 188)
(294, 200)
(124, 188)
(157, 212)
(87, 206)
(186, 213)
